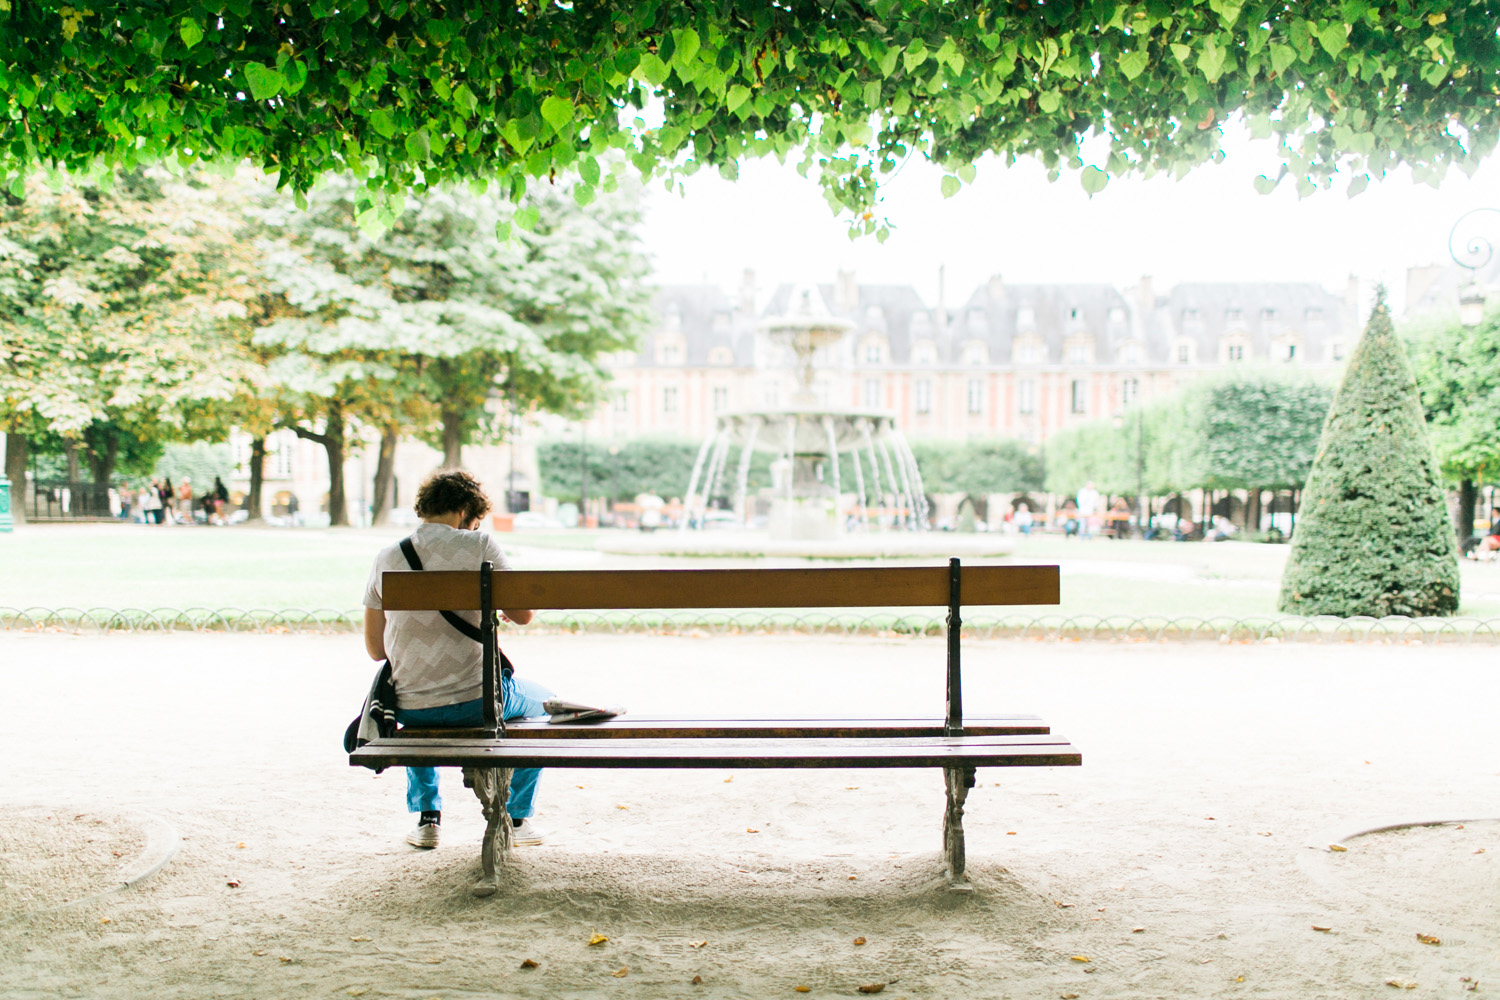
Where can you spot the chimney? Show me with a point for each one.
(746, 304)
(1145, 295)
(942, 306)
(996, 288)
(846, 292)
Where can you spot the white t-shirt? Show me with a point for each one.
(432, 663)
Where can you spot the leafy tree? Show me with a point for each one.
(660, 465)
(409, 93)
(1458, 371)
(977, 467)
(1262, 430)
(1374, 538)
(114, 297)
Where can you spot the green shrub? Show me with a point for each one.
(1372, 535)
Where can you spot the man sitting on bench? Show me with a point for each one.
(436, 664)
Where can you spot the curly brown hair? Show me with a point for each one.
(450, 491)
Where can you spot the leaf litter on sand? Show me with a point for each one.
(597, 938)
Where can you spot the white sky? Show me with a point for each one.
(1211, 226)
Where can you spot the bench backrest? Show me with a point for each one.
(852, 587)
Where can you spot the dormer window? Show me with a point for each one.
(1234, 314)
(1268, 315)
(1026, 318)
(721, 355)
(924, 354)
(975, 353)
(1314, 316)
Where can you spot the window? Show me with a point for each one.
(1073, 314)
(669, 399)
(924, 395)
(1234, 315)
(622, 401)
(1235, 352)
(1314, 315)
(1268, 315)
(975, 354)
(874, 353)
(721, 355)
(1291, 352)
(1130, 391)
(1078, 354)
(1079, 396)
(1028, 353)
(1337, 350)
(872, 392)
(282, 452)
(1026, 396)
(721, 398)
(1131, 354)
(669, 353)
(976, 396)
(924, 354)
(1184, 354)
(773, 394)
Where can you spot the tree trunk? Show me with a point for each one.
(333, 443)
(1252, 512)
(102, 463)
(16, 448)
(453, 439)
(72, 453)
(257, 478)
(1463, 523)
(385, 476)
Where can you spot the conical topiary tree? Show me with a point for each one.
(1373, 536)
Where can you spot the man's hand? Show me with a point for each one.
(517, 617)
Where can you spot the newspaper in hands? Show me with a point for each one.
(568, 711)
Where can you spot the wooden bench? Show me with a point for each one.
(488, 754)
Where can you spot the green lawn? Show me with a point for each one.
(135, 566)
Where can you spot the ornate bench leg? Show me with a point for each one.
(958, 780)
(492, 786)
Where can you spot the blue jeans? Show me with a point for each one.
(520, 698)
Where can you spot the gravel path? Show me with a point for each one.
(1187, 857)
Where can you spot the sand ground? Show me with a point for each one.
(1188, 856)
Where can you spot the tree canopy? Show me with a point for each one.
(409, 93)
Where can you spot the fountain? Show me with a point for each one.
(810, 513)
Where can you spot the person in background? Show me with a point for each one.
(185, 500)
(168, 498)
(1088, 509)
(1023, 518)
(217, 501)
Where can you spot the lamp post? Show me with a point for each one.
(1140, 464)
(583, 475)
(1476, 252)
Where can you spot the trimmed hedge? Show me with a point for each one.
(1373, 536)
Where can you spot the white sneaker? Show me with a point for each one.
(423, 835)
(525, 835)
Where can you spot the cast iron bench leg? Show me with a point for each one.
(958, 780)
(492, 786)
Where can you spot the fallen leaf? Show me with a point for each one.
(697, 944)
(233, 883)
(597, 938)
(1101, 909)
(1208, 817)
(359, 939)
(283, 959)
(240, 845)
(622, 807)
(357, 991)
(1480, 851)
(751, 830)
(1265, 834)
(1428, 938)
(1082, 958)
(1066, 906)
(859, 940)
(580, 786)
(1320, 927)
(1137, 930)
(697, 980)
(802, 989)
(851, 788)
(118, 854)
(1401, 984)
(529, 963)
(1010, 833)
(1070, 996)
(1337, 847)
(728, 779)
(1239, 979)
(853, 877)
(872, 988)
(258, 952)
(105, 920)
(621, 972)
(1472, 986)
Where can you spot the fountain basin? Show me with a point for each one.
(730, 544)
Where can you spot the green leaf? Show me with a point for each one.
(687, 46)
(1264, 184)
(419, 145)
(1132, 64)
(738, 94)
(382, 122)
(1358, 184)
(1182, 52)
(265, 82)
(190, 31)
(526, 217)
(1282, 56)
(465, 99)
(1334, 38)
(583, 194)
(62, 102)
(966, 173)
(888, 59)
(588, 169)
(950, 185)
(1211, 60)
(1093, 180)
(653, 69)
(872, 94)
(1049, 101)
(1228, 11)
(558, 112)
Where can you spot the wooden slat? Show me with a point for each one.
(883, 586)
(634, 728)
(1014, 751)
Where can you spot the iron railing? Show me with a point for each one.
(1053, 627)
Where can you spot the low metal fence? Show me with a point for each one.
(1045, 627)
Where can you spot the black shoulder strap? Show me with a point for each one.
(470, 631)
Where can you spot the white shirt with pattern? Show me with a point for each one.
(432, 663)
